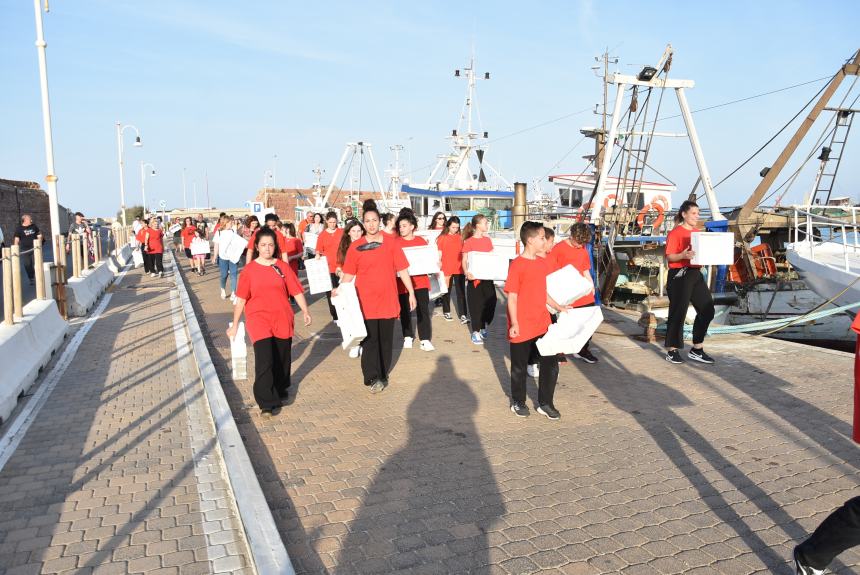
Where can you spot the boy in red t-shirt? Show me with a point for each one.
(528, 320)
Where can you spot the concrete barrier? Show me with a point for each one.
(83, 292)
(25, 348)
(118, 258)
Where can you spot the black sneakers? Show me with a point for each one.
(674, 356)
(700, 355)
(585, 356)
(801, 566)
(549, 411)
(519, 409)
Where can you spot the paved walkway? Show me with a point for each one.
(120, 471)
(653, 468)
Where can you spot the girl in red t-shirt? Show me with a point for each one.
(438, 222)
(327, 245)
(265, 286)
(481, 294)
(189, 232)
(154, 242)
(686, 286)
(406, 225)
(373, 261)
(352, 232)
(450, 244)
(389, 225)
(293, 246)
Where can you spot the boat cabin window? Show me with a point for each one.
(636, 199)
(564, 196)
(575, 198)
(417, 205)
(479, 203)
(500, 204)
(457, 204)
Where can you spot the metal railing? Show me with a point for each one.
(809, 227)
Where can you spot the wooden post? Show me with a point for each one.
(39, 265)
(7, 287)
(97, 244)
(17, 298)
(59, 277)
(76, 256)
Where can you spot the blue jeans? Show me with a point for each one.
(225, 267)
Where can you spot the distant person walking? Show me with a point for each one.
(265, 286)
(189, 232)
(352, 232)
(450, 244)
(200, 250)
(327, 245)
(25, 238)
(438, 222)
(141, 239)
(154, 242)
(293, 246)
(686, 286)
(226, 241)
(480, 294)
(406, 226)
(82, 229)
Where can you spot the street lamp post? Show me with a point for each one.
(143, 167)
(51, 177)
(120, 130)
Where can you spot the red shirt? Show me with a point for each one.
(327, 245)
(293, 246)
(188, 234)
(451, 246)
(563, 254)
(418, 282)
(527, 279)
(374, 272)
(155, 245)
(473, 244)
(267, 304)
(677, 241)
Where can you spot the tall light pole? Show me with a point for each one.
(184, 191)
(143, 167)
(274, 168)
(120, 130)
(51, 177)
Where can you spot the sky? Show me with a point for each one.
(229, 91)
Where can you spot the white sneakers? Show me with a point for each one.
(407, 343)
(223, 293)
(426, 345)
(354, 351)
(233, 297)
(533, 370)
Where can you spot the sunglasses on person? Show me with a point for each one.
(440, 218)
(278, 271)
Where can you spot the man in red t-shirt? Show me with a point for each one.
(528, 320)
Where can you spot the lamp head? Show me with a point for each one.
(153, 173)
(137, 142)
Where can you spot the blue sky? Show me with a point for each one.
(220, 87)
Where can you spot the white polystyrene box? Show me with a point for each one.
(239, 353)
(430, 235)
(713, 248)
(423, 260)
(572, 330)
(567, 285)
(488, 266)
(310, 240)
(349, 316)
(319, 278)
(438, 285)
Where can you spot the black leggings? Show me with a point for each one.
(156, 262)
(272, 364)
(689, 288)
(422, 313)
(455, 281)
(335, 281)
(520, 354)
(147, 262)
(838, 532)
(376, 350)
(482, 303)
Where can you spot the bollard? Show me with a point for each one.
(59, 277)
(648, 321)
(18, 312)
(7, 286)
(521, 210)
(97, 248)
(39, 267)
(76, 255)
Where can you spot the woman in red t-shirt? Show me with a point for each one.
(293, 246)
(438, 222)
(154, 242)
(389, 225)
(481, 294)
(189, 232)
(406, 225)
(686, 286)
(140, 236)
(373, 261)
(327, 245)
(450, 244)
(265, 286)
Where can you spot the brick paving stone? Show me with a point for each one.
(104, 481)
(652, 468)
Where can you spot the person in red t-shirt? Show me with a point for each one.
(140, 236)
(389, 225)
(574, 251)
(406, 225)
(373, 261)
(450, 244)
(154, 242)
(686, 286)
(188, 233)
(327, 245)
(266, 284)
(272, 221)
(481, 294)
(293, 247)
(528, 320)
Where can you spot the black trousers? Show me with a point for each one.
(272, 364)
(157, 262)
(335, 281)
(455, 281)
(27, 260)
(520, 353)
(685, 289)
(838, 532)
(376, 350)
(422, 313)
(147, 262)
(482, 303)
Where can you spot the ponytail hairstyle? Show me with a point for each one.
(685, 207)
(369, 206)
(385, 218)
(291, 229)
(266, 232)
(469, 230)
(406, 215)
(447, 228)
(345, 240)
